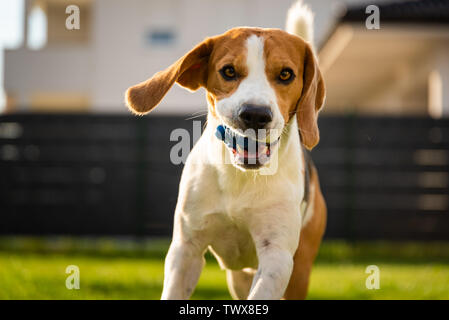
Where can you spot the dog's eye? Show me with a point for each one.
(286, 75)
(228, 73)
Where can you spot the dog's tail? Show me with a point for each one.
(300, 21)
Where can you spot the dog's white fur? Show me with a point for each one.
(251, 222)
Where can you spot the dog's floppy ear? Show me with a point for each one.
(311, 101)
(190, 71)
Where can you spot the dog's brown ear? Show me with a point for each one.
(311, 101)
(190, 71)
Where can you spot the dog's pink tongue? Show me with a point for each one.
(247, 154)
(254, 155)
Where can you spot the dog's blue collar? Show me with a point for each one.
(232, 139)
(227, 136)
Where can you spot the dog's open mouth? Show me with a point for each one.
(247, 152)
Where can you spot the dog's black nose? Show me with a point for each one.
(254, 116)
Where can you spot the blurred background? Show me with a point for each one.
(83, 181)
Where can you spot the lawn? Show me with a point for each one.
(111, 269)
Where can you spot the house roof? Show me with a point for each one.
(414, 11)
(384, 70)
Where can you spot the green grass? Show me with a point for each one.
(35, 269)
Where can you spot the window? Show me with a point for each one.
(160, 37)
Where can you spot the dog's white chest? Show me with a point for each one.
(233, 245)
(249, 207)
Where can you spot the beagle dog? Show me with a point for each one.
(260, 211)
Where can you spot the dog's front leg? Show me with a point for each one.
(183, 266)
(276, 242)
(273, 274)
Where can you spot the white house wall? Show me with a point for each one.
(122, 57)
(49, 70)
(119, 56)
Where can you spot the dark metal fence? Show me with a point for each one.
(383, 178)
